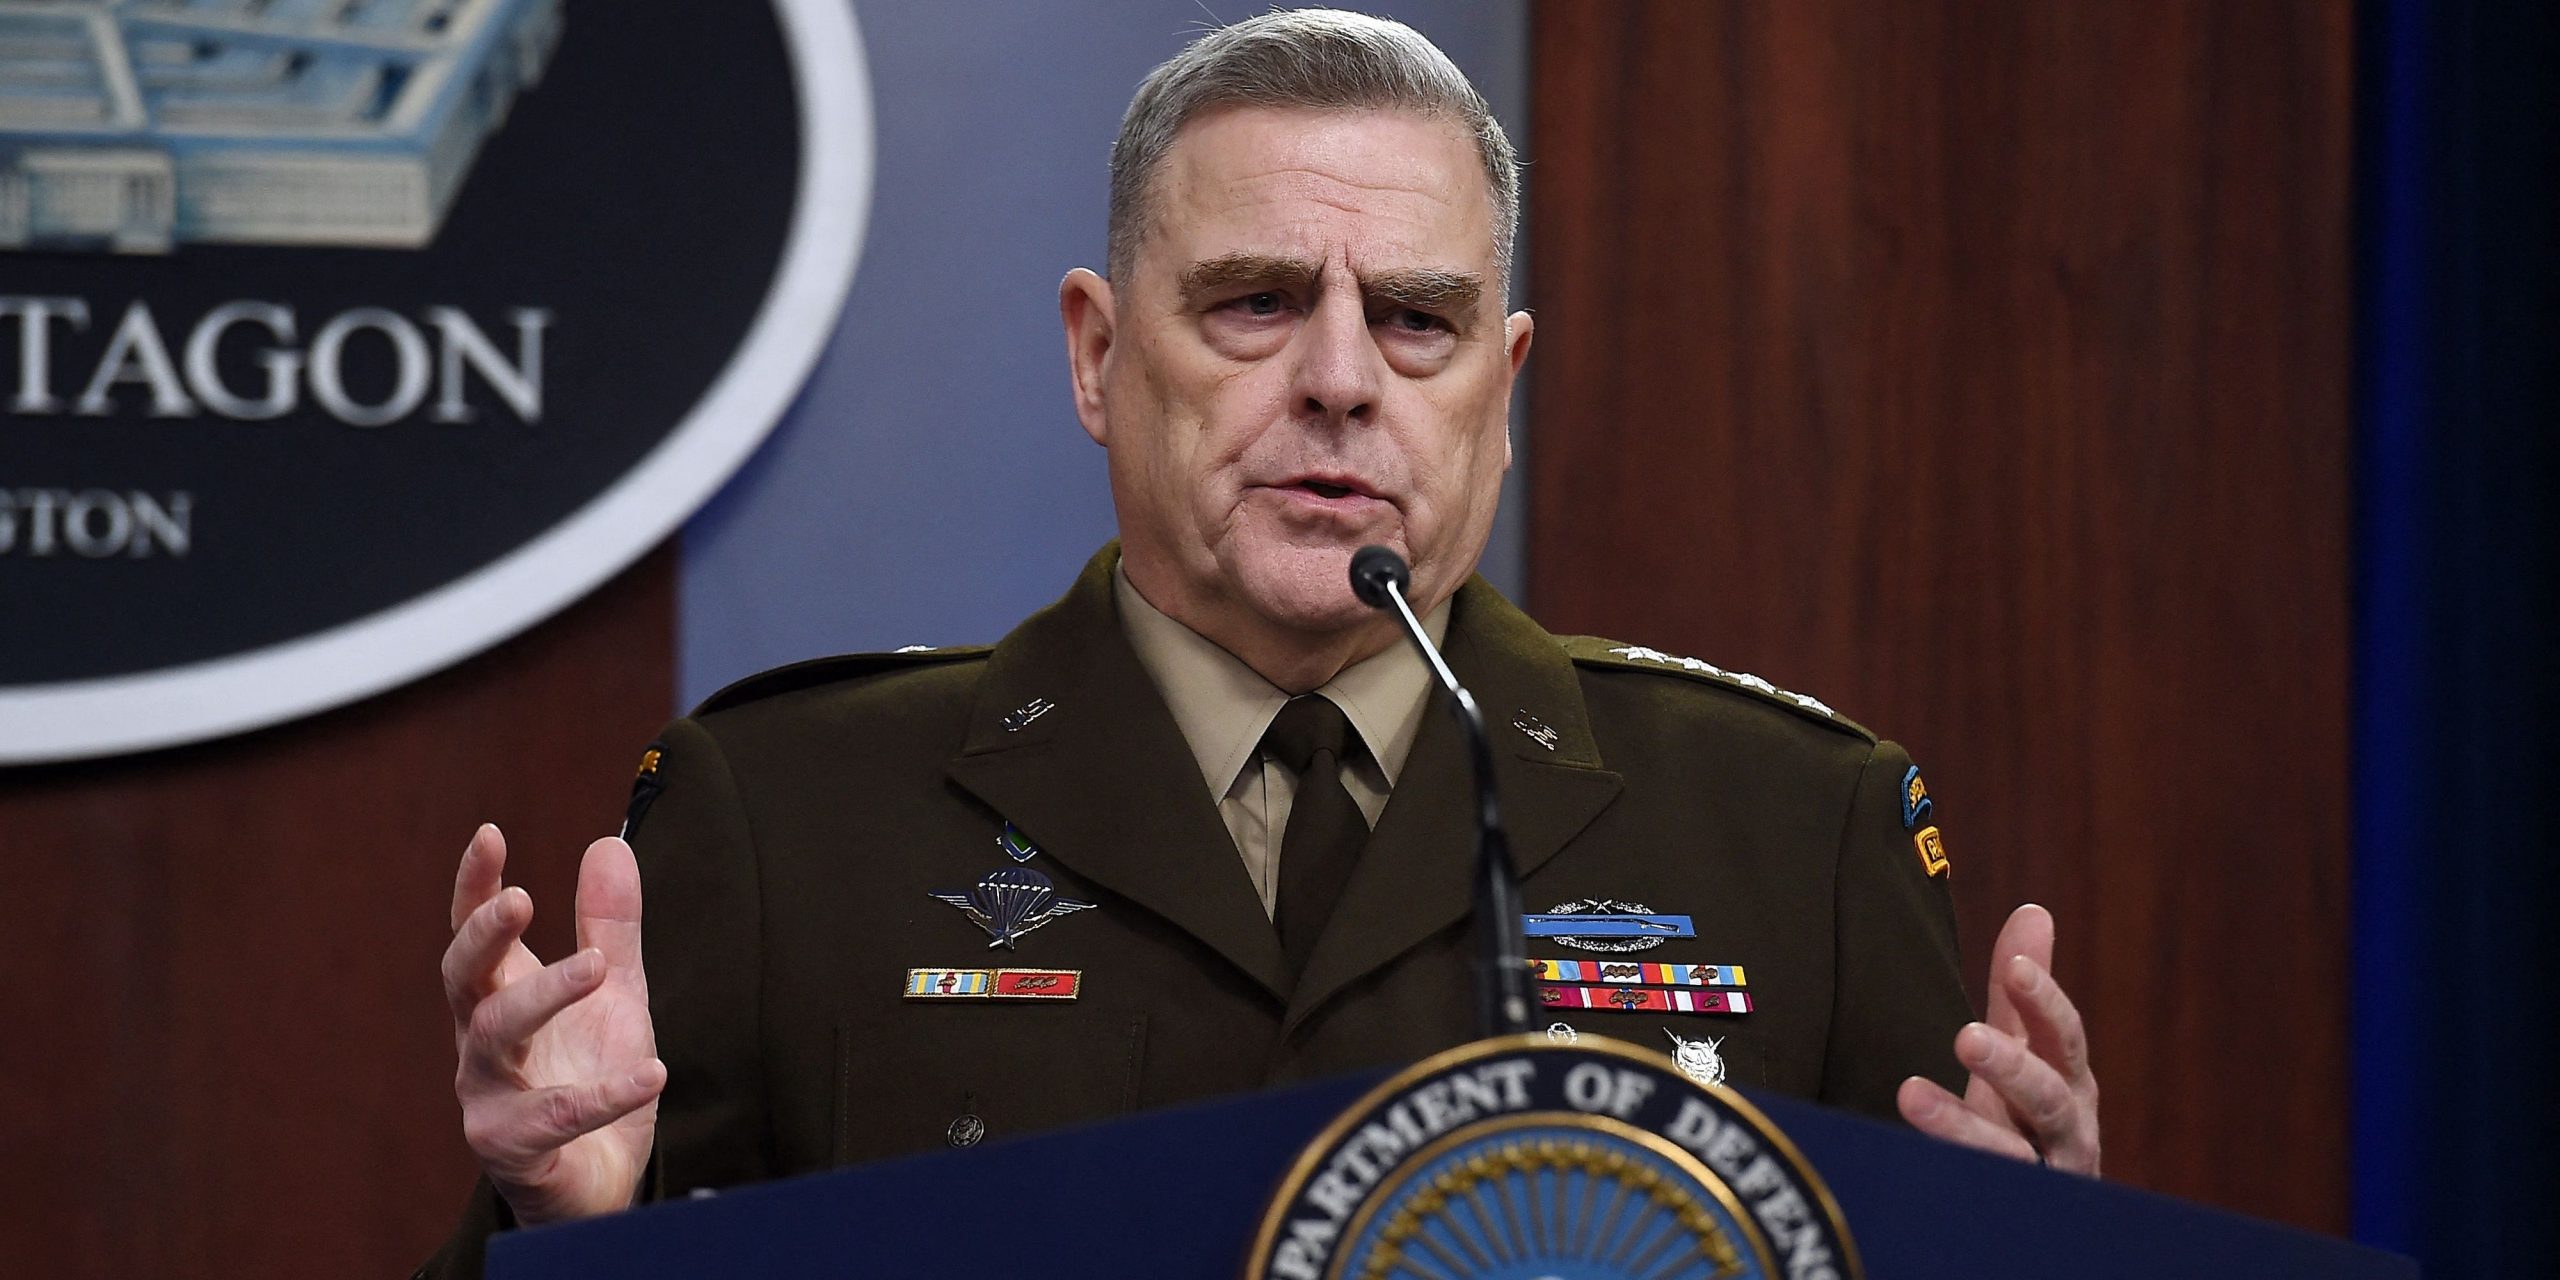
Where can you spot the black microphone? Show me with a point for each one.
(1378, 577)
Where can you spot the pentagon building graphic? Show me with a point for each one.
(137, 125)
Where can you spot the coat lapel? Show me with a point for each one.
(1102, 780)
(1416, 875)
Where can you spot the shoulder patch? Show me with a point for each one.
(645, 787)
(845, 666)
(1592, 651)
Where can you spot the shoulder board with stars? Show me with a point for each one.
(1592, 651)
(846, 666)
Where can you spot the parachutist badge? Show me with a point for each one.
(1011, 902)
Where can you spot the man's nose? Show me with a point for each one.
(1339, 370)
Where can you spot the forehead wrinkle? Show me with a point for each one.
(1414, 181)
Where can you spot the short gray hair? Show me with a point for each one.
(1324, 59)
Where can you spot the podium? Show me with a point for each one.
(1180, 1192)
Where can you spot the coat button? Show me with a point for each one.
(965, 1131)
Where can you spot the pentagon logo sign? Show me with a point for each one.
(1522, 1157)
(342, 340)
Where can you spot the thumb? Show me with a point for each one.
(609, 903)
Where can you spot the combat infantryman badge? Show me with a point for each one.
(1011, 902)
(1605, 924)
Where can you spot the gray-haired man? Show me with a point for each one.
(1301, 348)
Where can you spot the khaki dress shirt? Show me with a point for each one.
(1223, 707)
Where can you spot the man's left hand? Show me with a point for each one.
(2032, 1096)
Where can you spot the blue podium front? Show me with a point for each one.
(1180, 1192)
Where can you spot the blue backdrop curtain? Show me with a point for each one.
(2458, 613)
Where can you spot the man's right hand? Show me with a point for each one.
(559, 1074)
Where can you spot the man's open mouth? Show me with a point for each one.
(1323, 490)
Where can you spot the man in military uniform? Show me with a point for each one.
(1196, 829)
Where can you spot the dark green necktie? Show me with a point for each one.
(1325, 832)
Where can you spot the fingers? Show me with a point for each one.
(481, 943)
(2055, 1036)
(2032, 1094)
(1932, 1110)
(2057, 1119)
(515, 1130)
(500, 1026)
(2035, 1093)
(2051, 1022)
(2028, 932)
(609, 904)
(484, 863)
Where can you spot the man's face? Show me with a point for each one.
(1308, 354)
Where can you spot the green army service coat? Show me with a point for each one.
(795, 831)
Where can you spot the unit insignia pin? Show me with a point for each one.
(1606, 924)
(1011, 902)
(1915, 799)
(1697, 1059)
(1539, 731)
(1020, 718)
(1016, 845)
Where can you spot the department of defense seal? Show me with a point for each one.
(1523, 1157)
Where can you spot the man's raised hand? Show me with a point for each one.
(2032, 1095)
(558, 1075)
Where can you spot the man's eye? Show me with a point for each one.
(1260, 304)
(1412, 321)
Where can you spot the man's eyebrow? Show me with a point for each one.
(1452, 293)
(1229, 270)
(1448, 293)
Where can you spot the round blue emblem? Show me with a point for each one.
(1526, 1159)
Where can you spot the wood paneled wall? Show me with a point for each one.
(225, 1051)
(1983, 369)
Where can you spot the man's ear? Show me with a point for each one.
(1516, 331)
(1085, 308)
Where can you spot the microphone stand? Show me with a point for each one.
(1378, 577)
